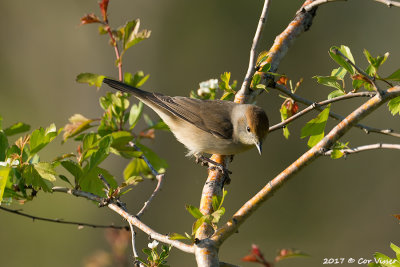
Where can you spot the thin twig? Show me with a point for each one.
(79, 224)
(153, 234)
(365, 148)
(155, 173)
(117, 53)
(319, 104)
(310, 6)
(389, 3)
(252, 61)
(160, 182)
(365, 128)
(130, 218)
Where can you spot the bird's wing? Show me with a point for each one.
(212, 116)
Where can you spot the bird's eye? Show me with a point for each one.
(248, 129)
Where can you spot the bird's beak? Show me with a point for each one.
(259, 146)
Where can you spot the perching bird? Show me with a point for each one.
(206, 126)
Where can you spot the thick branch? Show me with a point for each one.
(365, 148)
(351, 120)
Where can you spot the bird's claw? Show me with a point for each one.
(212, 165)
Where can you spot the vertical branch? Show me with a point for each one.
(117, 53)
(244, 89)
(205, 250)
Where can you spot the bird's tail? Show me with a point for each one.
(125, 88)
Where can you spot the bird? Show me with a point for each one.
(206, 126)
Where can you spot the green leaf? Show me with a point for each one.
(217, 201)
(396, 250)
(336, 153)
(197, 224)
(375, 63)
(158, 163)
(102, 153)
(136, 167)
(134, 114)
(132, 35)
(45, 170)
(335, 93)
(65, 179)
(386, 261)
(340, 60)
(4, 173)
(73, 168)
(137, 80)
(339, 73)
(315, 128)
(266, 67)
(224, 81)
(3, 146)
(331, 81)
(394, 105)
(176, 236)
(32, 177)
(216, 215)
(262, 57)
(77, 124)
(91, 79)
(41, 138)
(90, 181)
(121, 139)
(133, 180)
(194, 211)
(256, 80)
(357, 84)
(160, 125)
(395, 76)
(17, 128)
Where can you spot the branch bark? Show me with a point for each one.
(130, 218)
(367, 129)
(365, 148)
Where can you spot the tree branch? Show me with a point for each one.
(389, 3)
(337, 132)
(130, 218)
(365, 148)
(315, 105)
(160, 182)
(316, 3)
(79, 224)
(365, 128)
(243, 92)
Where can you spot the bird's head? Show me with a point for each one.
(252, 125)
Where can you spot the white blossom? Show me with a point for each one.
(9, 163)
(153, 244)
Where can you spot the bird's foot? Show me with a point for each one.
(212, 165)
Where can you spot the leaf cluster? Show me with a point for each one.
(211, 219)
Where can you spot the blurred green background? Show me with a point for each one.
(332, 209)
